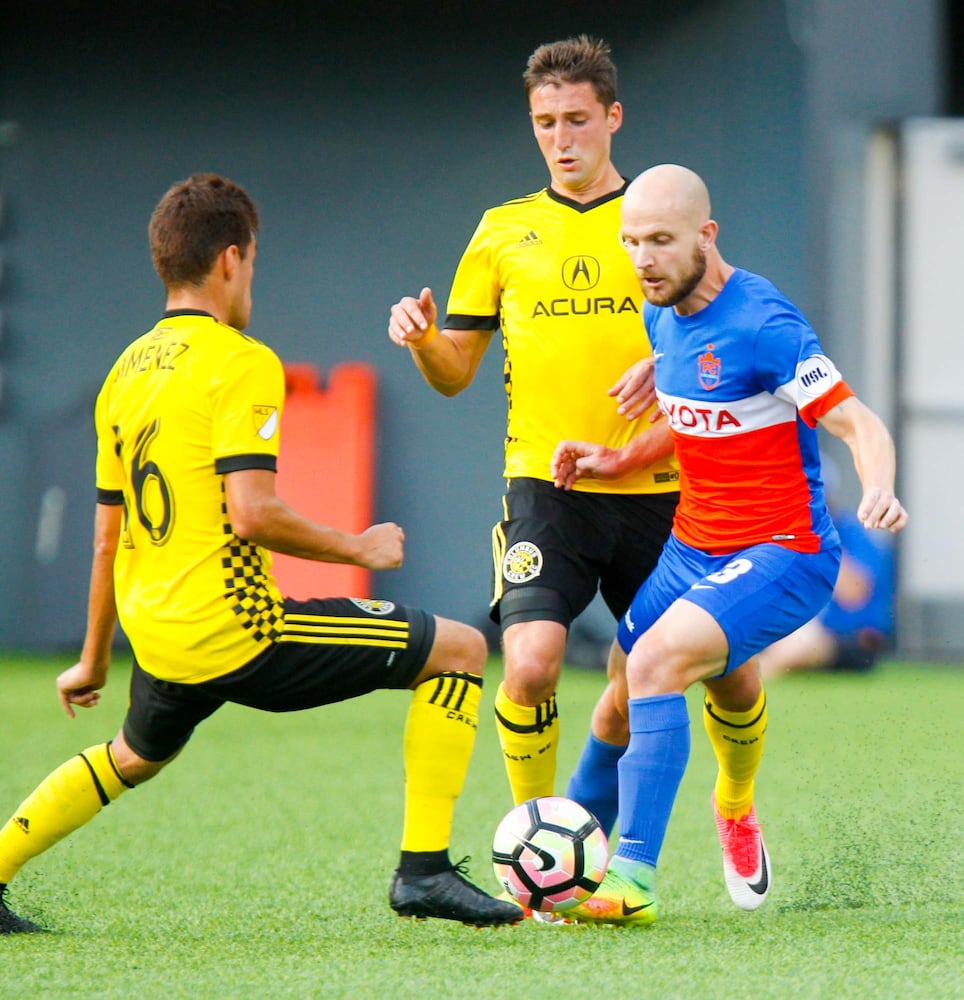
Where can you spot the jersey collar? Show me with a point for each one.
(169, 313)
(587, 206)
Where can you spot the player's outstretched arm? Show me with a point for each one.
(573, 460)
(258, 515)
(447, 359)
(635, 391)
(875, 460)
(81, 683)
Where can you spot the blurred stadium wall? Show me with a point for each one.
(372, 136)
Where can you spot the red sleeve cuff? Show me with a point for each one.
(812, 412)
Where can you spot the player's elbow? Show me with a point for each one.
(251, 521)
(448, 383)
(449, 389)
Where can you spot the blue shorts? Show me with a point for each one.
(757, 595)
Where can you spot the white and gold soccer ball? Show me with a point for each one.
(550, 853)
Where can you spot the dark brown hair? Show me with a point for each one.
(196, 220)
(582, 59)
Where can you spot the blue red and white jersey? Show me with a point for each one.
(743, 383)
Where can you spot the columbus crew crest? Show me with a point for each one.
(523, 562)
(373, 607)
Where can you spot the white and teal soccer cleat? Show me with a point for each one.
(746, 863)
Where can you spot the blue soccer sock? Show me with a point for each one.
(650, 772)
(595, 781)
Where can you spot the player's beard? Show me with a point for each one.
(674, 292)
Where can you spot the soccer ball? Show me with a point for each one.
(550, 853)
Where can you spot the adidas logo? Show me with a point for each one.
(530, 239)
(23, 823)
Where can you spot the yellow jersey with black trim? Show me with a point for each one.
(184, 404)
(552, 274)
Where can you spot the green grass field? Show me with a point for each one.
(258, 864)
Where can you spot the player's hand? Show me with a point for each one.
(410, 318)
(635, 391)
(879, 508)
(383, 546)
(573, 460)
(80, 685)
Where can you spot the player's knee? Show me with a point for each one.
(133, 769)
(459, 646)
(533, 652)
(609, 718)
(652, 666)
(739, 690)
(535, 677)
(476, 652)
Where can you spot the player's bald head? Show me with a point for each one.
(669, 190)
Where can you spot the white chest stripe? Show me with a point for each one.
(710, 418)
(706, 418)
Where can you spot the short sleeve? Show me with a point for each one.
(247, 403)
(476, 289)
(109, 470)
(793, 367)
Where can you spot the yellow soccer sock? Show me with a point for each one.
(439, 736)
(65, 800)
(530, 740)
(737, 739)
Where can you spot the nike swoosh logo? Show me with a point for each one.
(760, 886)
(546, 858)
(628, 911)
(701, 586)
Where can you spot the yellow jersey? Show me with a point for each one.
(184, 404)
(552, 274)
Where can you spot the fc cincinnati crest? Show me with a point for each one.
(708, 369)
(373, 607)
(522, 562)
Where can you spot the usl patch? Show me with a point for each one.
(522, 562)
(373, 607)
(708, 369)
(815, 375)
(265, 421)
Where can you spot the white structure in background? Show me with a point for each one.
(929, 383)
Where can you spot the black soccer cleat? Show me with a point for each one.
(449, 896)
(10, 923)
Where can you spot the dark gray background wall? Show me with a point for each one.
(372, 140)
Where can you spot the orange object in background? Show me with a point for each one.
(326, 469)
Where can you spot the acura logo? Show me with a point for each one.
(581, 273)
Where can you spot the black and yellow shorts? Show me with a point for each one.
(555, 548)
(330, 650)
